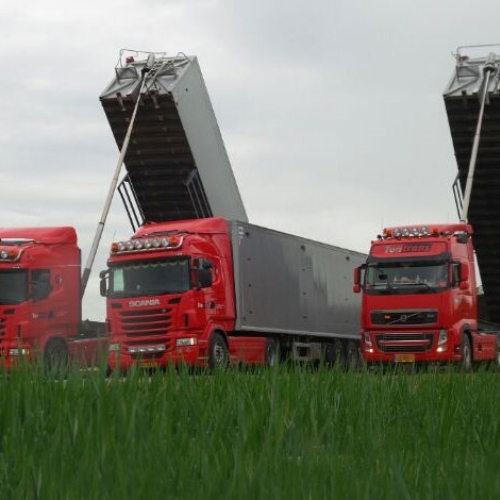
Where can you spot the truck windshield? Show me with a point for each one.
(149, 278)
(406, 277)
(13, 286)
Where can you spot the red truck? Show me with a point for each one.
(420, 300)
(210, 292)
(40, 304)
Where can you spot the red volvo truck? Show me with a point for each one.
(420, 300)
(211, 292)
(40, 305)
(422, 297)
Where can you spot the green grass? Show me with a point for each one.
(280, 433)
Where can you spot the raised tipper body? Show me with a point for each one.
(177, 165)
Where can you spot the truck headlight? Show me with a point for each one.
(443, 337)
(19, 351)
(366, 337)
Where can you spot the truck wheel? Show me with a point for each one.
(272, 355)
(495, 362)
(218, 353)
(353, 358)
(335, 354)
(56, 357)
(466, 353)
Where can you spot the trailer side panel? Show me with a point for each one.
(292, 285)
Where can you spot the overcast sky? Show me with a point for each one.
(331, 110)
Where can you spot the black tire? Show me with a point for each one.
(494, 364)
(56, 358)
(353, 358)
(273, 353)
(335, 354)
(466, 353)
(218, 352)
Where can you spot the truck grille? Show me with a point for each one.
(3, 326)
(146, 322)
(404, 317)
(404, 342)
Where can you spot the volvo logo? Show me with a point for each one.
(403, 318)
(144, 303)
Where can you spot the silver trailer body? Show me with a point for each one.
(177, 165)
(472, 100)
(295, 286)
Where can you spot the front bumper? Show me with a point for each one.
(122, 357)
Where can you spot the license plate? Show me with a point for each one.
(149, 364)
(404, 358)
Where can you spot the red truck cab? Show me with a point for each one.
(419, 299)
(40, 305)
(170, 298)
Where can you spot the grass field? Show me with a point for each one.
(278, 433)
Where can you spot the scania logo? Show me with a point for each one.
(144, 303)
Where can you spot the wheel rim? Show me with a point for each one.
(219, 354)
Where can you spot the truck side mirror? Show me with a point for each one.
(202, 272)
(204, 278)
(464, 271)
(103, 288)
(356, 288)
(464, 276)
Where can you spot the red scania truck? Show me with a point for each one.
(210, 292)
(420, 301)
(40, 305)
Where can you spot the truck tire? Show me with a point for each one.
(466, 353)
(218, 353)
(335, 354)
(273, 353)
(56, 359)
(352, 356)
(495, 363)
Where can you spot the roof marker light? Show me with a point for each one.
(175, 241)
(138, 244)
(10, 254)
